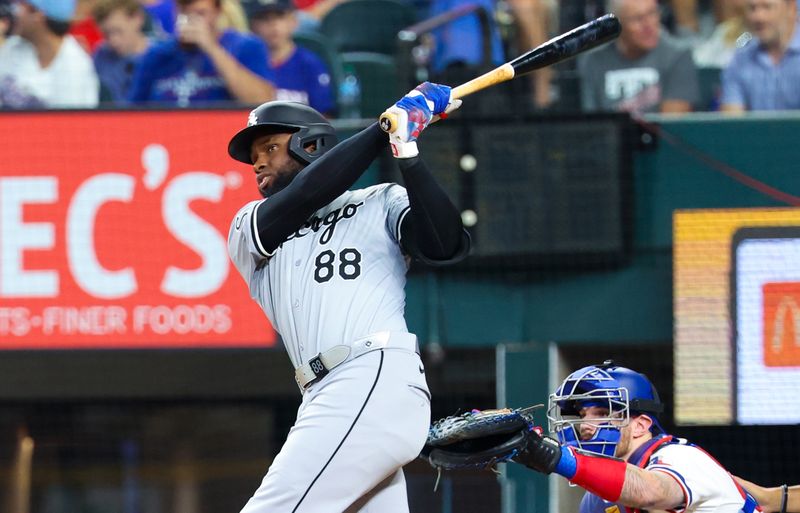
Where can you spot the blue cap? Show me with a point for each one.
(6, 10)
(59, 10)
(256, 8)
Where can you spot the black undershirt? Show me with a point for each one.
(431, 231)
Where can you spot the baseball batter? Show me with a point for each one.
(327, 265)
(611, 443)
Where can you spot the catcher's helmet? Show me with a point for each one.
(306, 124)
(621, 391)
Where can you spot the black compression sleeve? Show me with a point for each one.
(318, 184)
(433, 224)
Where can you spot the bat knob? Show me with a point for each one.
(388, 122)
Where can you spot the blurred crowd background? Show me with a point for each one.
(344, 58)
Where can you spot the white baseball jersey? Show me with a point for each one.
(339, 277)
(707, 486)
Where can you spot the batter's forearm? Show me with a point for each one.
(318, 184)
(336, 171)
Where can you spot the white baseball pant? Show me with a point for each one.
(355, 430)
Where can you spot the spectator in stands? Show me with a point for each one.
(299, 74)
(311, 12)
(765, 73)
(532, 20)
(460, 42)
(202, 65)
(6, 20)
(718, 49)
(83, 28)
(644, 70)
(42, 66)
(233, 16)
(162, 14)
(686, 15)
(122, 23)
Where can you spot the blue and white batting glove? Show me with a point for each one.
(414, 112)
(437, 96)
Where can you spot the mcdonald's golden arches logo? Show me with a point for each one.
(781, 324)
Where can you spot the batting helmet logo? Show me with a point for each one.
(252, 119)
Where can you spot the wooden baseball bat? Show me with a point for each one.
(560, 48)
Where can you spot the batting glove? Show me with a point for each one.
(439, 98)
(422, 106)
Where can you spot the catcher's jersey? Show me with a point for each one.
(707, 486)
(339, 277)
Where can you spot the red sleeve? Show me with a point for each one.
(600, 475)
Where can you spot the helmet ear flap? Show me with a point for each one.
(321, 137)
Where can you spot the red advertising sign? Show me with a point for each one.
(113, 231)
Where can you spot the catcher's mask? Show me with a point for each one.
(621, 391)
(304, 123)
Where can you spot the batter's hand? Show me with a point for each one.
(439, 98)
(414, 112)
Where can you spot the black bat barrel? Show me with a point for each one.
(570, 44)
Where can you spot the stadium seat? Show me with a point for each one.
(322, 46)
(367, 25)
(377, 74)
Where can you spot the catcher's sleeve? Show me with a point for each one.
(601, 475)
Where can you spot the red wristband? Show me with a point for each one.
(600, 475)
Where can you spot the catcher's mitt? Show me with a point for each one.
(477, 439)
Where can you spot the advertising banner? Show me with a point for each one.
(737, 316)
(113, 232)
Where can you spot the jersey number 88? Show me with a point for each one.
(349, 265)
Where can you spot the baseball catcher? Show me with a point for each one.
(607, 439)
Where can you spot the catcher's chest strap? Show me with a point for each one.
(318, 367)
(641, 456)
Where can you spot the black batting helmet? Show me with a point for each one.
(304, 123)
